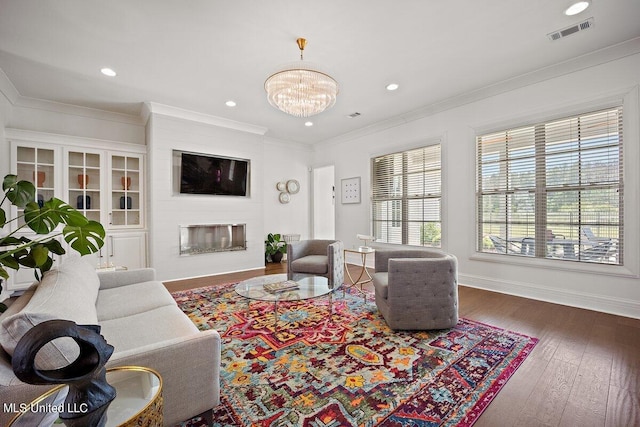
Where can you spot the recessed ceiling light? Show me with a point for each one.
(308, 124)
(393, 86)
(230, 103)
(576, 8)
(108, 72)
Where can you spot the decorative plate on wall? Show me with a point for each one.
(293, 186)
(284, 197)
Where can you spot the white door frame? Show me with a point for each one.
(323, 202)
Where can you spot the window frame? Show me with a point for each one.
(402, 219)
(629, 98)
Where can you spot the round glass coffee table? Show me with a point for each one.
(138, 401)
(307, 288)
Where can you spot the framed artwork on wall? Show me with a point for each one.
(351, 190)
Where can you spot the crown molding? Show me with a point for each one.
(286, 144)
(7, 88)
(592, 59)
(151, 108)
(93, 113)
(70, 140)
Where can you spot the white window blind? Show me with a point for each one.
(553, 190)
(406, 197)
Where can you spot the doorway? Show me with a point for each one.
(324, 203)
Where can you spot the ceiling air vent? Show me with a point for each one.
(353, 115)
(584, 25)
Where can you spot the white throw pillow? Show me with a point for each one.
(68, 292)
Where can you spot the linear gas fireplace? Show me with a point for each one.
(207, 238)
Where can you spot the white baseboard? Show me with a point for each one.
(212, 274)
(617, 306)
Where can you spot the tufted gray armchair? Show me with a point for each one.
(318, 258)
(416, 289)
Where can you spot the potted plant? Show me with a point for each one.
(19, 251)
(274, 248)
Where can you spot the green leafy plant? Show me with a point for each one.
(274, 245)
(430, 234)
(19, 251)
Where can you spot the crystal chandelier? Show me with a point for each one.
(300, 89)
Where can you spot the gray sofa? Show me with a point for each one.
(138, 317)
(416, 289)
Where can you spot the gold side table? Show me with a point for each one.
(138, 401)
(364, 276)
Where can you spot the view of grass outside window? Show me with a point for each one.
(407, 191)
(553, 190)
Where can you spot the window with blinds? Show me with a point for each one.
(407, 191)
(553, 190)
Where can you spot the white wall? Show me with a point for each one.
(284, 161)
(5, 113)
(605, 288)
(271, 161)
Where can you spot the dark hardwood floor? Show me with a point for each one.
(585, 370)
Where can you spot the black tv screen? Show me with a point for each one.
(207, 174)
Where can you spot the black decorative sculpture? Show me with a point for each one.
(85, 376)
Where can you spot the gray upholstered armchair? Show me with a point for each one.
(318, 258)
(417, 289)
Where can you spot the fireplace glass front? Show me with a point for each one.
(207, 238)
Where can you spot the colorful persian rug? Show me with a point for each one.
(334, 362)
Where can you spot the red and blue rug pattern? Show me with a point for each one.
(334, 362)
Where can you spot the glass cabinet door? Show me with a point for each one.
(36, 165)
(126, 190)
(84, 183)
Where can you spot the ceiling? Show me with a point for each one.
(197, 54)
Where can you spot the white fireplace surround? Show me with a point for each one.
(208, 238)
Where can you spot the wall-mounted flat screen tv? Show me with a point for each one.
(210, 174)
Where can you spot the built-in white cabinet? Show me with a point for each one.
(102, 179)
(121, 250)
(106, 186)
(20, 280)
